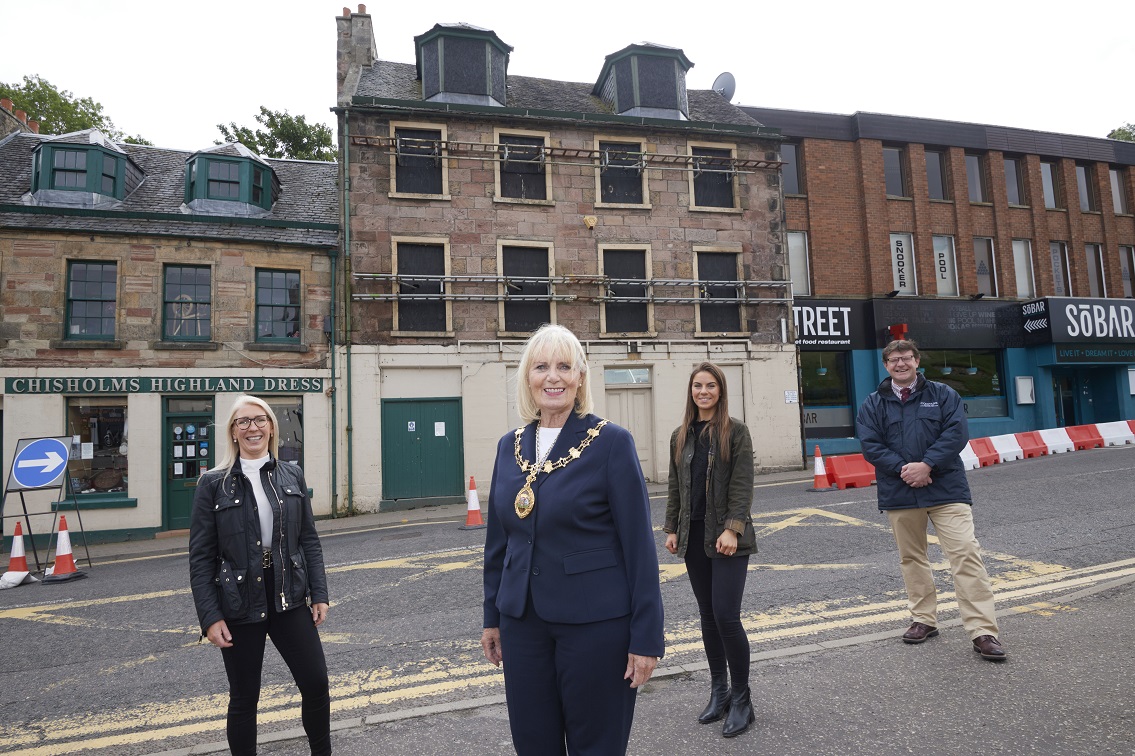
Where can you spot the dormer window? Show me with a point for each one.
(79, 174)
(646, 80)
(239, 183)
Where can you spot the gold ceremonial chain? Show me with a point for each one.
(526, 499)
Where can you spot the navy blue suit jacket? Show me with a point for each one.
(586, 553)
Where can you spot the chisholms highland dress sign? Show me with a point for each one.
(155, 385)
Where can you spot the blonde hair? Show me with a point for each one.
(232, 452)
(554, 343)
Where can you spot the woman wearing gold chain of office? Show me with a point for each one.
(572, 601)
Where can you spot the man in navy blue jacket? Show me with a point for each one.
(913, 431)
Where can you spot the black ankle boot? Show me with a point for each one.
(718, 699)
(740, 713)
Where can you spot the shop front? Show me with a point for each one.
(139, 442)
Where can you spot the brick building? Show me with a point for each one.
(141, 289)
(1006, 253)
(644, 216)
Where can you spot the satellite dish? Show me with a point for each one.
(725, 85)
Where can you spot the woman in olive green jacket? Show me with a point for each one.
(709, 525)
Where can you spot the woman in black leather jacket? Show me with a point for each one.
(708, 523)
(257, 572)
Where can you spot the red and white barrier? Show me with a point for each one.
(1057, 440)
(1008, 447)
(1116, 434)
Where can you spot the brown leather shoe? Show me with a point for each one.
(919, 632)
(989, 648)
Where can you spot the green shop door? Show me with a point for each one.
(188, 440)
(422, 448)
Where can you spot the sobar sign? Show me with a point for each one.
(1091, 321)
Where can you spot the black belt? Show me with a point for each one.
(266, 559)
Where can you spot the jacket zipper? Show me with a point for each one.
(280, 502)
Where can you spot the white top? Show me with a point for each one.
(251, 468)
(545, 440)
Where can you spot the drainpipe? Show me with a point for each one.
(333, 256)
(347, 305)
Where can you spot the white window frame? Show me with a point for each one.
(912, 290)
(1097, 274)
(1023, 268)
(801, 279)
(945, 266)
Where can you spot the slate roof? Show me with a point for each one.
(309, 195)
(397, 81)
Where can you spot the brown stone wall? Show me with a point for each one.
(33, 278)
(473, 222)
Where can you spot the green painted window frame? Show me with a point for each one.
(94, 172)
(97, 291)
(272, 300)
(187, 306)
(253, 181)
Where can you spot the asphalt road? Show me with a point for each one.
(112, 665)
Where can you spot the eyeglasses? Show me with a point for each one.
(243, 422)
(908, 359)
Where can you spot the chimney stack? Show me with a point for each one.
(21, 116)
(6, 104)
(34, 126)
(354, 51)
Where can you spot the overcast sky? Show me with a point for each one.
(171, 71)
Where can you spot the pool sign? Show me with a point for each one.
(39, 463)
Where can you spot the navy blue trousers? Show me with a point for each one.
(564, 685)
(294, 635)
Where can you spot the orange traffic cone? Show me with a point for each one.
(820, 481)
(473, 519)
(64, 567)
(17, 573)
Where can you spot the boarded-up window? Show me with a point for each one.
(724, 317)
(713, 177)
(418, 161)
(626, 317)
(528, 305)
(620, 174)
(420, 303)
(522, 167)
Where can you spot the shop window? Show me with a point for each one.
(825, 395)
(419, 164)
(289, 416)
(527, 304)
(974, 373)
(629, 265)
(711, 177)
(984, 265)
(1023, 266)
(1127, 268)
(1050, 183)
(1089, 192)
(521, 169)
(1119, 193)
(791, 170)
(621, 174)
(1015, 182)
(98, 430)
(936, 176)
(278, 305)
(1097, 285)
(945, 266)
(976, 178)
(421, 304)
(92, 293)
(798, 263)
(1061, 272)
(717, 272)
(894, 171)
(187, 303)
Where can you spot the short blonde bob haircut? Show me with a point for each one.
(232, 452)
(552, 343)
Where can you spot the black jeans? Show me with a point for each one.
(719, 584)
(294, 635)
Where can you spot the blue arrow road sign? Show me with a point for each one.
(40, 463)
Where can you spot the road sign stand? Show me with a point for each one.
(42, 464)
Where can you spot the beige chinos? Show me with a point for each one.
(953, 524)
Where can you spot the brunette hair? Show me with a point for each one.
(719, 426)
(555, 344)
(901, 345)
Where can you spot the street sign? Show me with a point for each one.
(40, 463)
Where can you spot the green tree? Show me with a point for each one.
(1126, 132)
(283, 136)
(60, 112)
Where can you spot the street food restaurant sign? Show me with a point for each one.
(153, 385)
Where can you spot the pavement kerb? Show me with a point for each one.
(676, 670)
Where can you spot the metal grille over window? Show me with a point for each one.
(713, 177)
(620, 173)
(522, 167)
(421, 300)
(418, 161)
